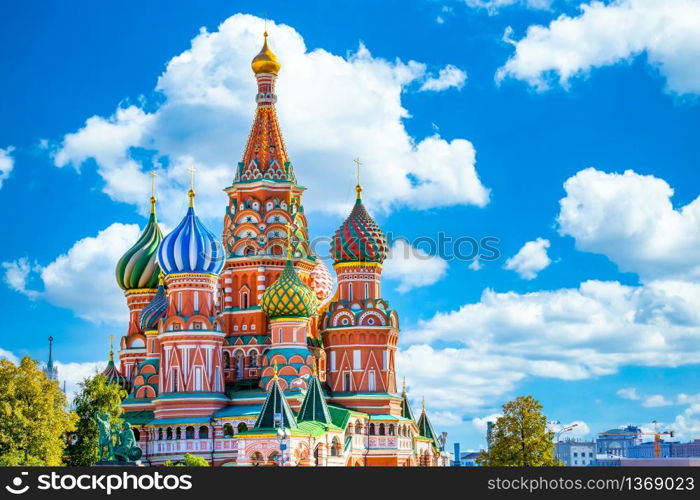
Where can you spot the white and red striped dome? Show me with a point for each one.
(321, 280)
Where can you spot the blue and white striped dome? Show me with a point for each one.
(191, 248)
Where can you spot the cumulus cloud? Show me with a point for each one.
(331, 108)
(530, 259)
(82, 279)
(630, 218)
(74, 373)
(480, 424)
(628, 393)
(448, 77)
(574, 333)
(605, 34)
(7, 163)
(493, 6)
(655, 400)
(8, 355)
(412, 267)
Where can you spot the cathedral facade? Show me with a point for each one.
(241, 350)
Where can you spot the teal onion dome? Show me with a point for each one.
(359, 238)
(138, 267)
(191, 247)
(155, 309)
(289, 296)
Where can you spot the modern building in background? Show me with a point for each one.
(576, 453)
(242, 352)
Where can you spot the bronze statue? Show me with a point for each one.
(118, 439)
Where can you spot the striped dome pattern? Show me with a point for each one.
(321, 281)
(191, 248)
(155, 309)
(289, 296)
(138, 267)
(359, 238)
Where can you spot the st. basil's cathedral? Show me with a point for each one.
(239, 350)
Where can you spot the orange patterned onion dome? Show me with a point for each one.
(359, 238)
(289, 296)
(138, 267)
(266, 61)
(321, 280)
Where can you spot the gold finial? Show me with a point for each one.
(191, 192)
(161, 278)
(153, 191)
(289, 228)
(111, 350)
(358, 187)
(266, 60)
(423, 404)
(274, 371)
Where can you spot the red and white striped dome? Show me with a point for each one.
(321, 280)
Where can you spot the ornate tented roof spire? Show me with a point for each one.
(111, 371)
(265, 155)
(314, 407)
(275, 411)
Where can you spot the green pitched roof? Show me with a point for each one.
(406, 411)
(425, 428)
(314, 407)
(275, 403)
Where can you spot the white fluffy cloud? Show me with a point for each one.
(628, 393)
(655, 400)
(74, 373)
(412, 267)
(530, 259)
(7, 163)
(608, 33)
(10, 356)
(493, 6)
(448, 77)
(82, 279)
(331, 109)
(630, 218)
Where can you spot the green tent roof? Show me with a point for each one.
(314, 407)
(275, 404)
(425, 428)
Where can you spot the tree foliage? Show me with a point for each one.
(520, 437)
(34, 416)
(97, 395)
(188, 460)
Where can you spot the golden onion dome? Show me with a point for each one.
(266, 61)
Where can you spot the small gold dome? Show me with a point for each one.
(266, 61)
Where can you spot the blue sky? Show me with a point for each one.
(593, 305)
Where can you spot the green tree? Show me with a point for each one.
(34, 416)
(520, 437)
(97, 395)
(189, 460)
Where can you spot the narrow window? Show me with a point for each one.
(356, 359)
(196, 302)
(347, 383)
(244, 300)
(332, 361)
(385, 359)
(197, 379)
(367, 290)
(179, 302)
(350, 291)
(372, 382)
(173, 375)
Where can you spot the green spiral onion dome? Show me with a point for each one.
(359, 238)
(289, 296)
(138, 267)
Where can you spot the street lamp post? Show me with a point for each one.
(283, 435)
(558, 434)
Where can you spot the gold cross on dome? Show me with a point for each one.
(289, 227)
(153, 183)
(358, 164)
(191, 170)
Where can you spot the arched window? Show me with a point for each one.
(335, 447)
(169, 433)
(253, 359)
(350, 292)
(204, 432)
(178, 433)
(358, 428)
(244, 300)
(250, 251)
(372, 430)
(382, 430)
(391, 430)
(242, 427)
(239, 364)
(273, 458)
(189, 432)
(317, 453)
(228, 430)
(227, 360)
(160, 434)
(256, 459)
